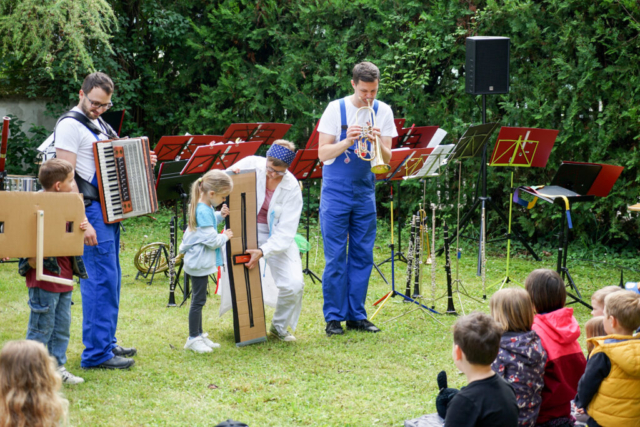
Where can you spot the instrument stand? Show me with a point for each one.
(155, 263)
(484, 202)
(382, 301)
(307, 270)
(399, 255)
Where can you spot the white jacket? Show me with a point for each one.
(284, 210)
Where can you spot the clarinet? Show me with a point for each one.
(447, 268)
(172, 263)
(433, 257)
(410, 257)
(417, 263)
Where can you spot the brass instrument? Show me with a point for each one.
(373, 154)
(149, 258)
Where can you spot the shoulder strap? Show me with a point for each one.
(108, 131)
(375, 106)
(343, 120)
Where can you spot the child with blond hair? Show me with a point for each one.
(201, 246)
(609, 390)
(29, 387)
(592, 329)
(597, 299)
(521, 358)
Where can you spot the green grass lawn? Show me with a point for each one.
(357, 379)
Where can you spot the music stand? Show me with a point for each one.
(181, 147)
(306, 166)
(574, 182)
(414, 137)
(520, 147)
(171, 185)
(219, 156)
(265, 132)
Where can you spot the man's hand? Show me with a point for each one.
(224, 211)
(353, 133)
(154, 158)
(90, 236)
(256, 254)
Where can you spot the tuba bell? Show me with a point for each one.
(367, 149)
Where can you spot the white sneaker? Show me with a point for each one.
(208, 342)
(68, 377)
(282, 337)
(196, 344)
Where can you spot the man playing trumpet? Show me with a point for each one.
(348, 205)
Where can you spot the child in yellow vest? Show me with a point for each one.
(609, 390)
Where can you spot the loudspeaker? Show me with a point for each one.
(487, 65)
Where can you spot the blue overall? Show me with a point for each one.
(101, 291)
(347, 217)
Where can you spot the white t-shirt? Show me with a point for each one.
(73, 136)
(330, 122)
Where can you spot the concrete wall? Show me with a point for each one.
(30, 110)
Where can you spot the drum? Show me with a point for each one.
(21, 183)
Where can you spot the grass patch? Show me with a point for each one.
(357, 379)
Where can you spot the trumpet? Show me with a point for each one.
(367, 149)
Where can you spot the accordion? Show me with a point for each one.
(125, 178)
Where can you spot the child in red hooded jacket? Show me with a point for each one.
(559, 332)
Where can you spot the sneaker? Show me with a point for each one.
(282, 337)
(197, 344)
(68, 377)
(208, 342)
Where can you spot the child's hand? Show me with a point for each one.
(5, 259)
(84, 225)
(228, 233)
(32, 262)
(235, 170)
(224, 211)
(580, 410)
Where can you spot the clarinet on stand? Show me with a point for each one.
(417, 261)
(447, 267)
(172, 263)
(433, 256)
(410, 258)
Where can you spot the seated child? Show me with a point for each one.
(592, 329)
(559, 331)
(521, 358)
(29, 386)
(488, 400)
(50, 303)
(609, 390)
(597, 299)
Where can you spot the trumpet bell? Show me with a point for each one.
(381, 168)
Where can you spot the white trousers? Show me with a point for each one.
(286, 270)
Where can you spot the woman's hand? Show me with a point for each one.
(256, 254)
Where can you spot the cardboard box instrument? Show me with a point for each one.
(41, 225)
(246, 286)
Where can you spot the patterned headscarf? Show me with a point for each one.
(281, 153)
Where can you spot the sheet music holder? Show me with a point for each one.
(219, 156)
(472, 141)
(170, 184)
(265, 132)
(181, 147)
(399, 124)
(433, 165)
(312, 143)
(415, 137)
(399, 158)
(306, 165)
(523, 147)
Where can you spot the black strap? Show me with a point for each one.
(106, 128)
(247, 278)
(88, 191)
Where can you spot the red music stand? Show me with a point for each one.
(400, 124)
(312, 143)
(414, 137)
(520, 147)
(181, 147)
(219, 156)
(265, 132)
(574, 182)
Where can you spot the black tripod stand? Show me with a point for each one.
(399, 255)
(307, 270)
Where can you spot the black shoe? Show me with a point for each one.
(124, 351)
(334, 328)
(362, 325)
(117, 362)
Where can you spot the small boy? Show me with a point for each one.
(50, 303)
(488, 400)
(597, 299)
(610, 386)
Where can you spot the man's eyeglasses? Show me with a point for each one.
(279, 173)
(99, 105)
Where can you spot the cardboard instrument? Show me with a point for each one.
(41, 225)
(249, 324)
